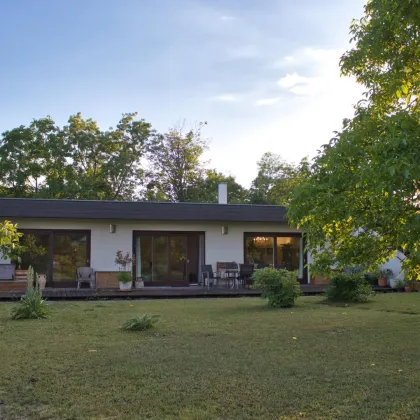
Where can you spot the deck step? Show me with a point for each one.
(13, 286)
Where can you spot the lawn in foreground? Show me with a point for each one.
(214, 359)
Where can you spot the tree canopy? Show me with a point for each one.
(129, 162)
(359, 202)
(76, 161)
(275, 180)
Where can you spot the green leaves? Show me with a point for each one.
(358, 204)
(10, 240)
(275, 179)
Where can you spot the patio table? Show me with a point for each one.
(232, 274)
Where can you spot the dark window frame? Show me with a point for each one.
(304, 278)
(50, 251)
(168, 233)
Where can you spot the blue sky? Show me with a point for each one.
(263, 73)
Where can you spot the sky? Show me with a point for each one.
(264, 74)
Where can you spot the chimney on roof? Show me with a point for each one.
(223, 199)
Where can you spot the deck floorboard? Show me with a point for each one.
(160, 292)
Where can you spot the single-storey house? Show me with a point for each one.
(170, 242)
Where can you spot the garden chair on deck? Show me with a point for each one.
(245, 274)
(209, 277)
(85, 275)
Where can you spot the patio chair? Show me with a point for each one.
(85, 275)
(245, 274)
(209, 276)
(231, 273)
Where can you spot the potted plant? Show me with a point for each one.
(139, 283)
(383, 276)
(400, 285)
(42, 280)
(393, 282)
(409, 286)
(124, 276)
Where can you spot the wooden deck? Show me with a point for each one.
(157, 293)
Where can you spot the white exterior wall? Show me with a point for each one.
(218, 247)
(104, 244)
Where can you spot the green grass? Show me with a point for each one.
(214, 359)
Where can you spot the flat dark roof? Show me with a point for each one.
(139, 210)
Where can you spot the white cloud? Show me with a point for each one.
(267, 101)
(291, 80)
(227, 18)
(323, 68)
(225, 98)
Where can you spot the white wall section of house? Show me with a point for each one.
(104, 244)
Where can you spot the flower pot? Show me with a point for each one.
(408, 289)
(42, 280)
(382, 282)
(139, 283)
(125, 286)
(393, 283)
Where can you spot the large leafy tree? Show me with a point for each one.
(176, 164)
(77, 161)
(31, 159)
(360, 200)
(275, 180)
(107, 165)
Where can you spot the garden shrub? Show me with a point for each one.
(31, 306)
(280, 287)
(124, 277)
(140, 323)
(348, 288)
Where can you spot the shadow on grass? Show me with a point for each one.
(265, 308)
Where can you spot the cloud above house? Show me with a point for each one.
(267, 101)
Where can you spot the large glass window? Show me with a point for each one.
(69, 253)
(288, 252)
(275, 250)
(259, 250)
(168, 257)
(57, 254)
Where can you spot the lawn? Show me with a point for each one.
(214, 359)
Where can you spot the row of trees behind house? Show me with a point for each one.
(129, 162)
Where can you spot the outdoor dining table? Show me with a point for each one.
(232, 274)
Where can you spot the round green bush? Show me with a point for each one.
(348, 288)
(280, 287)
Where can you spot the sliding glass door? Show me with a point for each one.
(70, 251)
(167, 258)
(58, 254)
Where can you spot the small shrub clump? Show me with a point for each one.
(140, 322)
(280, 287)
(31, 306)
(348, 288)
